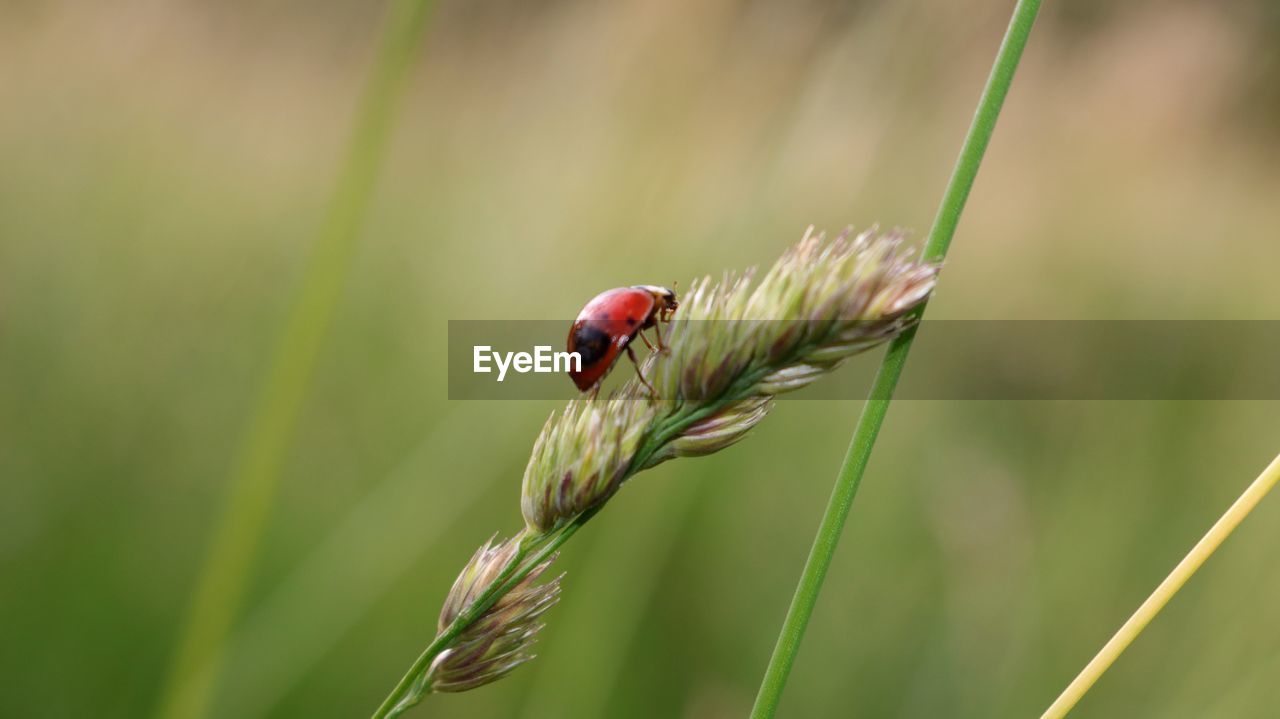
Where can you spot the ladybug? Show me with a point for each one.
(607, 325)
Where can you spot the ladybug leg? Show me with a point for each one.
(646, 341)
(640, 374)
(657, 330)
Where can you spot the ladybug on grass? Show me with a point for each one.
(607, 325)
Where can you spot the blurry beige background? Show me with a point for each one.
(163, 169)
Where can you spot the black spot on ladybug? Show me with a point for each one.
(591, 343)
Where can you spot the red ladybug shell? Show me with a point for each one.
(607, 325)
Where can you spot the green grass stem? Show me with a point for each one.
(877, 406)
(251, 485)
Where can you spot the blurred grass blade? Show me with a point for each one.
(873, 413)
(253, 478)
(325, 596)
(1130, 630)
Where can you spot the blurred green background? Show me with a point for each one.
(165, 168)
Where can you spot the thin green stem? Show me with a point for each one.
(254, 476)
(868, 428)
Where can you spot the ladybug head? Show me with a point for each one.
(666, 298)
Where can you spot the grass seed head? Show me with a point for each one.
(822, 302)
(734, 345)
(581, 457)
(499, 640)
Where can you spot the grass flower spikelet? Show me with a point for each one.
(498, 641)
